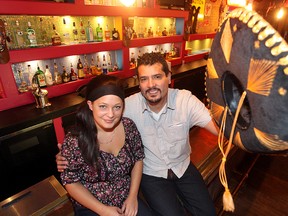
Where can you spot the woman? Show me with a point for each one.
(105, 154)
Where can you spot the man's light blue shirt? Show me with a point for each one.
(166, 141)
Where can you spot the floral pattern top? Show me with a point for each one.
(110, 185)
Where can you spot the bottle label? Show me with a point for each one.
(80, 73)
(19, 38)
(49, 79)
(115, 36)
(90, 34)
(32, 37)
(73, 77)
(41, 80)
(56, 40)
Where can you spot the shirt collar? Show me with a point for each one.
(171, 104)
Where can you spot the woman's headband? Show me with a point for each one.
(106, 90)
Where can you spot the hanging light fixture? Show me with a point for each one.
(127, 3)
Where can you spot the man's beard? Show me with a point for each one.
(152, 100)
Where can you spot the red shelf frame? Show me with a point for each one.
(17, 7)
(58, 51)
(155, 40)
(192, 37)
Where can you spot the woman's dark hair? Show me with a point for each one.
(153, 58)
(85, 128)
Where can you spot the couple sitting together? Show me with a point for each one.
(119, 145)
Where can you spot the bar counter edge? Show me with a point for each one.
(18, 118)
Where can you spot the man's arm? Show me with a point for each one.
(212, 127)
(60, 160)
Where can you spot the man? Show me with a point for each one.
(164, 117)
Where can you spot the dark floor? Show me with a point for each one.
(265, 191)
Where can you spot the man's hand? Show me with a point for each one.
(60, 160)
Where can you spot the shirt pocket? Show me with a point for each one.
(177, 134)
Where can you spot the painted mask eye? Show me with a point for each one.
(20, 33)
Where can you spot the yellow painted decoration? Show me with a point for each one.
(270, 141)
(227, 41)
(261, 76)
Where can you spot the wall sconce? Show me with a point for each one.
(127, 3)
(280, 13)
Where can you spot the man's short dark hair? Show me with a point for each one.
(151, 59)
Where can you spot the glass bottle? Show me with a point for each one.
(65, 75)
(31, 35)
(40, 78)
(48, 76)
(23, 87)
(56, 39)
(89, 33)
(107, 33)
(43, 39)
(93, 68)
(115, 67)
(115, 34)
(75, 33)
(132, 60)
(98, 66)
(10, 37)
(104, 65)
(86, 68)
(158, 31)
(109, 63)
(80, 69)
(73, 74)
(99, 33)
(19, 35)
(57, 75)
(66, 34)
(30, 75)
(82, 33)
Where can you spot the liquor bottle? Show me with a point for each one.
(31, 35)
(65, 75)
(57, 75)
(109, 63)
(138, 56)
(19, 35)
(73, 74)
(115, 67)
(99, 33)
(48, 76)
(66, 34)
(30, 75)
(104, 65)
(43, 39)
(93, 68)
(98, 66)
(10, 37)
(82, 33)
(89, 33)
(86, 68)
(158, 31)
(172, 52)
(23, 87)
(56, 40)
(115, 34)
(75, 33)
(132, 60)
(107, 33)
(164, 32)
(80, 69)
(40, 78)
(150, 32)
